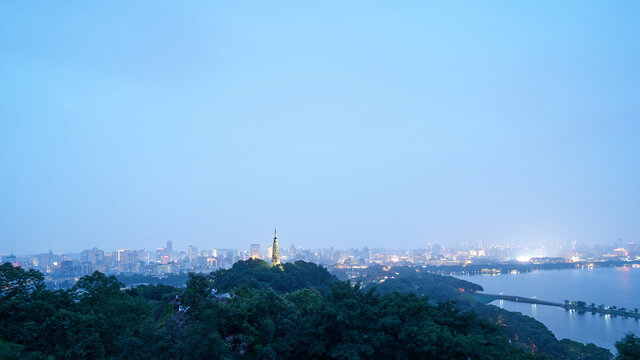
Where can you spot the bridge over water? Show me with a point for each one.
(523, 299)
(604, 310)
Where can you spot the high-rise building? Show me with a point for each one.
(45, 259)
(366, 254)
(163, 256)
(437, 250)
(292, 251)
(120, 255)
(211, 261)
(95, 256)
(86, 268)
(254, 253)
(621, 252)
(275, 257)
(193, 253)
(84, 256)
(126, 256)
(143, 255)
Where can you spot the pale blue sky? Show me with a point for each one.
(346, 123)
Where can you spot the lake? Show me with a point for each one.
(609, 286)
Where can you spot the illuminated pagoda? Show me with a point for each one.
(275, 257)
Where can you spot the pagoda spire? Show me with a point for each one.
(275, 256)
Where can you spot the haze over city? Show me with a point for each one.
(345, 124)
(245, 180)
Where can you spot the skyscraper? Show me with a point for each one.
(292, 251)
(193, 253)
(255, 251)
(275, 257)
(164, 255)
(95, 256)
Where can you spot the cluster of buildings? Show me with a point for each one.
(167, 260)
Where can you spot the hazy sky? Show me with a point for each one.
(347, 123)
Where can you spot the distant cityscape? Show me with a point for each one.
(62, 270)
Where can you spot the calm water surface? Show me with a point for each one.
(608, 286)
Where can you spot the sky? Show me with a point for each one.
(124, 124)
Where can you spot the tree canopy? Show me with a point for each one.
(294, 311)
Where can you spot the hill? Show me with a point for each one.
(295, 311)
(517, 327)
(258, 274)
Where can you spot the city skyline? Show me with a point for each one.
(62, 270)
(257, 251)
(263, 245)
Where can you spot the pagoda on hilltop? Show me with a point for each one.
(275, 257)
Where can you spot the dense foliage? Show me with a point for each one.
(533, 334)
(517, 327)
(628, 348)
(290, 312)
(411, 279)
(258, 274)
(177, 280)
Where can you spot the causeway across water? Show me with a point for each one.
(605, 310)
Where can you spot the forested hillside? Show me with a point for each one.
(258, 274)
(519, 328)
(290, 312)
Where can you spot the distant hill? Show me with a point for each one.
(258, 274)
(414, 279)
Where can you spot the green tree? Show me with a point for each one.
(628, 347)
(9, 351)
(197, 293)
(15, 282)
